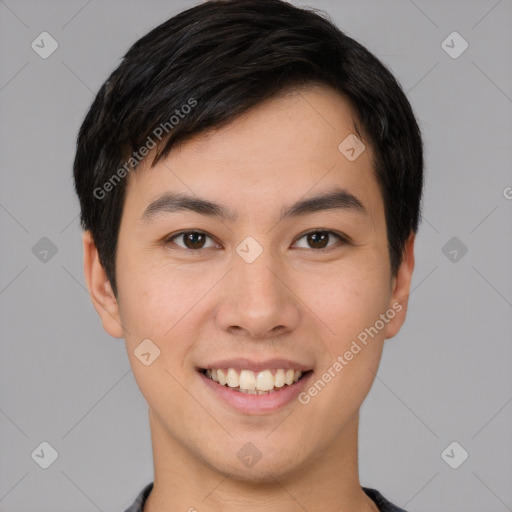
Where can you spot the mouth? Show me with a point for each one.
(250, 382)
(255, 387)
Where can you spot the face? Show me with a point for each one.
(264, 289)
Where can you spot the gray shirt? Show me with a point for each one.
(382, 503)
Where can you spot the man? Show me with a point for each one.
(250, 182)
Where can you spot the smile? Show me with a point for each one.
(254, 383)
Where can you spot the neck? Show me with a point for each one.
(327, 482)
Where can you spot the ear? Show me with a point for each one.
(400, 287)
(101, 293)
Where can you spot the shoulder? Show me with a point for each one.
(382, 503)
(138, 504)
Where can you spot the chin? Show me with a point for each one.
(253, 466)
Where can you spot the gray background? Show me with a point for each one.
(446, 377)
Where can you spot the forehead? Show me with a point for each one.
(300, 123)
(286, 148)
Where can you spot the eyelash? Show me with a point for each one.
(344, 239)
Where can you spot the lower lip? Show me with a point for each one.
(257, 404)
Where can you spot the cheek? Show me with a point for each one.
(349, 300)
(156, 309)
(150, 299)
(348, 305)
(160, 305)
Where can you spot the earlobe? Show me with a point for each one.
(100, 290)
(401, 289)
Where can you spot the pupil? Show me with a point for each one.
(191, 241)
(314, 239)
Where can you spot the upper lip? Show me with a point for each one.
(257, 366)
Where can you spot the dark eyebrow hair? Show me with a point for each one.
(336, 198)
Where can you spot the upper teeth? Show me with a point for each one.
(251, 382)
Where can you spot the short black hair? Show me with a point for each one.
(213, 62)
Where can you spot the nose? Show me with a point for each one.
(258, 300)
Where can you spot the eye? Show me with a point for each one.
(193, 240)
(318, 239)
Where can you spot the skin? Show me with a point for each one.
(292, 302)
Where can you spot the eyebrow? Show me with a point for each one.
(334, 199)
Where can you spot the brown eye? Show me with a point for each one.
(319, 239)
(193, 240)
